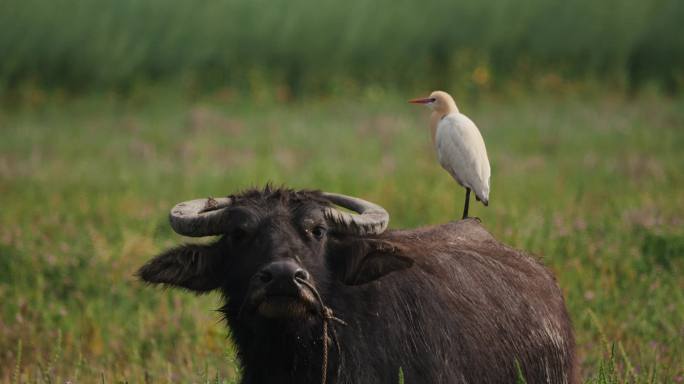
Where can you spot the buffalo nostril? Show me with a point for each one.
(301, 274)
(265, 276)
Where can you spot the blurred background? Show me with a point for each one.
(113, 111)
(300, 47)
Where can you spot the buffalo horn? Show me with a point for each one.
(205, 217)
(200, 217)
(371, 219)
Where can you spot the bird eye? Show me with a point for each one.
(432, 99)
(318, 232)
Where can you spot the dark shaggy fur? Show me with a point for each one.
(446, 304)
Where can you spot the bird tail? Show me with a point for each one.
(484, 198)
(485, 194)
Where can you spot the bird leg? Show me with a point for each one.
(467, 201)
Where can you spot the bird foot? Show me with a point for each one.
(472, 218)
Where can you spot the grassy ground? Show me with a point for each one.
(592, 183)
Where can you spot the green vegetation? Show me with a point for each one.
(592, 183)
(327, 46)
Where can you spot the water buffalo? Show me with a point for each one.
(315, 294)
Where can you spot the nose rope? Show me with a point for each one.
(326, 315)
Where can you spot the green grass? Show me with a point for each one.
(328, 46)
(593, 183)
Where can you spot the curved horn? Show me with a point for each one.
(372, 219)
(200, 217)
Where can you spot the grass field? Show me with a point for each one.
(591, 182)
(328, 46)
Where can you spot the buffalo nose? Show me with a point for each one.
(282, 275)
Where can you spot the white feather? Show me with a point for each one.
(461, 152)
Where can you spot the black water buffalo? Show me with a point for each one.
(318, 294)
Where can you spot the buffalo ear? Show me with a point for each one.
(374, 260)
(194, 267)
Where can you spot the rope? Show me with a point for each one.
(324, 369)
(326, 316)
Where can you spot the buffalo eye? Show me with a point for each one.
(238, 235)
(318, 232)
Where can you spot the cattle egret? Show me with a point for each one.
(460, 148)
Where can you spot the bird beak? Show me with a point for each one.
(426, 100)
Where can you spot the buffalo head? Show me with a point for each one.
(277, 249)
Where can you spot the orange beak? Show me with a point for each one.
(421, 101)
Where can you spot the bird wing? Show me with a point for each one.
(461, 152)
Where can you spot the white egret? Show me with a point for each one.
(460, 148)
